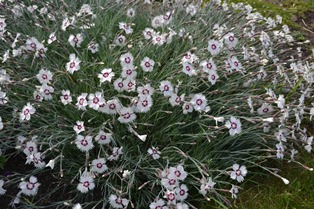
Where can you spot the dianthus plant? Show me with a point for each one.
(129, 104)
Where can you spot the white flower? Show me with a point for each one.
(166, 88)
(199, 102)
(67, 22)
(187, 108)
(129, 84)
(29, 187)
(74, 64)
(46, 91)
(235, 64)
(118, 85)
(208, 65)
(238, 173)
(118, 202)
(266, 127)
(170, 182)
(181, 205)
(103, 137)
(3, 97)
(188, 69)
(95, 100)
(84, 143)
(234, 191)
(280, 150)
(99, 165)
(146, 90)
(77, 206)
(149, 33)
(212, 76)
(82, 102)
(85, 10)
(214, 47)
(36, 158)
(128, 72)
(27, 111)
(178, 172)
(86, 183)
(52, 38)
(158, 204)
(4, 77)
(176, 100)
(79, 127)
(157, 21)
(93, 47)
(126, 115)
(154, 153)
(181, 192)
(126, 59)
(230, 40)
(144, 104)
(2, 191)
(51, 164)
(30, 147)
(308, 146)
(191, 9)
(189, 58)
(37, 96)
(120, 40)
(106, 75)
(1, 124)
(147, 64)
(130, 12)
(124, 26)
(112, 107)
(32, 44)
(168, 17)
(171, 197)
(76, 40)
(126, 174)
(159, 39)
(116, 152)
(234, 126)
(265, 109)
(44, 76)
(207, 186)
(261, 74)
(2, 24)
(281, 101)
(66, 97)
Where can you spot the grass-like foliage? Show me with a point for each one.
(137, 105)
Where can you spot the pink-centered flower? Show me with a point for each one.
(234, 126)
(86, 183)
(84, 143)
(118, 202)
(30, 187)
(27, 111)
(74, 64)
(103, 137)
(238, 173)
(106, 75)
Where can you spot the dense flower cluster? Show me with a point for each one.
(142, 107)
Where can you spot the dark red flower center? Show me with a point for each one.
(86, 184)
(84, 142)
(30, 186)
(199, 102)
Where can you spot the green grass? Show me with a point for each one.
(288, 9)
(272, 193)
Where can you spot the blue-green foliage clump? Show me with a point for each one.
(136, 105)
